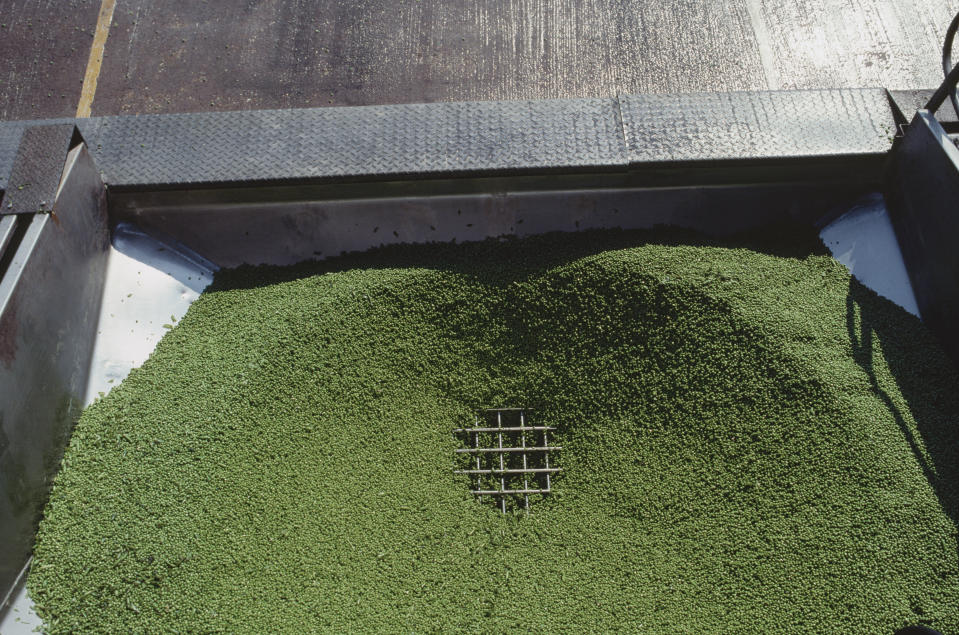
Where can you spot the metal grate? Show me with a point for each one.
(508, 459)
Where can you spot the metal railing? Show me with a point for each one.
(951, 73)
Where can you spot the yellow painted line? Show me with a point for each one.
(96, 58)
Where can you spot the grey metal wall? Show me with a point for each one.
(923, 190)
(49, 304)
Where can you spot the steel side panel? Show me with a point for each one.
(49, 304)
(289, 232)
(923, 195)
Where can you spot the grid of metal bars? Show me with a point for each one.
(507, 458)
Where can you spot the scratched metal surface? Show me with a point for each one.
(44, 45)
(224, 55)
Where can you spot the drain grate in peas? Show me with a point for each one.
(508, 459)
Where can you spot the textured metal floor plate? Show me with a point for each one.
(378, 141)
(756, 125)
(10, 134)
(37, 169)
(9, 142)
(477, 138)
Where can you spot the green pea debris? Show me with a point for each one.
(753, 442)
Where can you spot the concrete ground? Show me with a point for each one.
(230, 54)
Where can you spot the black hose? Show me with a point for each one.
(947, 60)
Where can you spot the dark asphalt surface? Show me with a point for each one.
(44, 46)
(231, 55)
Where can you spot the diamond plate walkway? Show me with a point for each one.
(416, 141)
